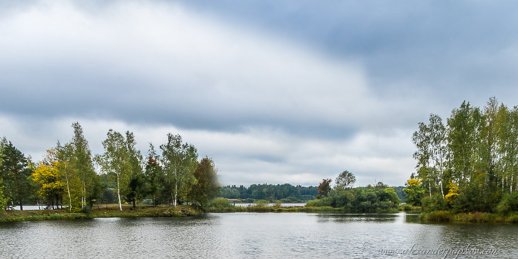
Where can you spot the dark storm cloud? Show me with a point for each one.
(455, 49)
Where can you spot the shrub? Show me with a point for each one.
(327, 201)
(434, 203)
(219, 203)
(86, 209)
(477, 217)
(437, 216)
(508, 204)
(512, 219)
(261, 203)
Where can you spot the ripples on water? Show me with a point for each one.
(250, 235)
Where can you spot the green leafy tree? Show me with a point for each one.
(345, 180)
(507, 147)
(136, 186)
(82, 164)
(464, 128)
(63, 156)
(432, 153)
(114, 161)
(154, 176)
(180, 161)
(3, 199)
(324, 187)
(206, 186)
(15, 172)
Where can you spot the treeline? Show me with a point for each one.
(369, 199)
(270, 192)
(70, 176)
(469, 163)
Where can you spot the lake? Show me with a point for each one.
(257, 235)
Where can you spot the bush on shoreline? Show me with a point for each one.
(179, 211)
(443, 216)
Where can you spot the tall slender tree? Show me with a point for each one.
(3, 198)
(82, 163)
(135, 188)
(179, 160)
(114, 161)
(206, 186)
(154, 175)
(464, 133)
(64, 158)
(15, 172)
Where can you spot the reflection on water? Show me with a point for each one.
(375, 218)
(256, 235)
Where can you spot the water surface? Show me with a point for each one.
(256, 235)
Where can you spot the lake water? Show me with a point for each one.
(257, 235)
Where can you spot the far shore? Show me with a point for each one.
(111, 211)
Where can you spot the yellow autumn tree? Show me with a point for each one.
(452, 193)
(414, 191)
(49, 181)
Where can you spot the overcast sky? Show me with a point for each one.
(274, 91)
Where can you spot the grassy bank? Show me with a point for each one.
(472, 217)
(107, 212)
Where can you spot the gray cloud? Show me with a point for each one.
(141, 63)
(442, 47)
(275, 91)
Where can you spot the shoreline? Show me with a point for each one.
(182, 211)
(442, 216)
(43, 215)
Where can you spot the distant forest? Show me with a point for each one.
(279, 192)
(283, 192)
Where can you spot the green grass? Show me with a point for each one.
(409, 208)
(17, 216)
(471, 217)
(179, 211)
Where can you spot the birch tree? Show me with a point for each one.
(179, 160)
(114, 161)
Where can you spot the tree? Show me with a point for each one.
(345, 180)
(464, 126)
(507, 147)
(123, 160)
(15, 172)
(206, 186)
(453, 192)
(432, 152)
(63, 157)
(82, 164)
(324, 188)
(179, 160)
(135, 189)
(114, 161)
(51, 186)
(3, 199)
(414, 191)
(154, 175)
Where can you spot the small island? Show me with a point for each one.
(67, 183)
